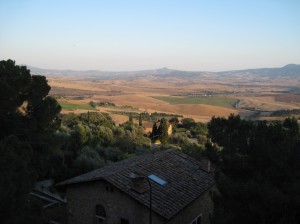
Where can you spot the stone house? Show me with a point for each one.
(167, 187)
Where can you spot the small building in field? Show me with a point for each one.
(167, 187)
(170, 129)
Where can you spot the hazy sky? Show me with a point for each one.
(147, 34)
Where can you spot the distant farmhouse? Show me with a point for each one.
(166, 187)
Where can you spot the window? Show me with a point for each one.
(124, 221)
(197, 220)
(157, 179)
(100, 214)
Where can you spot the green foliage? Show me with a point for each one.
(140, 120)
(130, 119)
(188, 123)
(104, 136)
(259, 180)
(93, 104)
(81, 134)
(24, 101)
(146, 116)
(178, 139)
(196, 128)
(96, 132)
(154, 134)
(193, 150)
(163, 131)
(15, 82)
(285, 113)
(87, 160)
(28, 121)
(17, 177)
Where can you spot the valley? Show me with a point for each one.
(200, 95)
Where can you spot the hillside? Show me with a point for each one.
(201, 95)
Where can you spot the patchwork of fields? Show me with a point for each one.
(197, 98)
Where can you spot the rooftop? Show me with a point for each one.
(186, 179)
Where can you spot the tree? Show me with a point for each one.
(104, 136)
(93, 104)
(174, 120)
(130, 121)
(163, 131)
(154, 133)
(81, 134)
(140, 120)
(28, 118)
(292, 126)
(188, 122)
(259, 179)
(25, 106)
(17, 177)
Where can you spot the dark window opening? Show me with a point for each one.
(124, 221)
(100, 214)
(199, 219)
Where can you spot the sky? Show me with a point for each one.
(127, 35)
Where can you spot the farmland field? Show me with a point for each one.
(213, 101)
(196, 97)
(71, 106)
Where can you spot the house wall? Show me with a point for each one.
(83, 198)
(202, 205)
(170, 129)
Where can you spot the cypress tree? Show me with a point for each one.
(163, 129)
(140, 120)
(130, 119)
(154, 132)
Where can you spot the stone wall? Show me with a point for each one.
(83, 198)
(202, 205)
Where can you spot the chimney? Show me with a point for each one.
(138, 183)
(205, 165)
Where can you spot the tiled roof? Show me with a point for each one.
(185, 176)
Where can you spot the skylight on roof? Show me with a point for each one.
(157, 179)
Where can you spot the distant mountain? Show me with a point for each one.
(290, 70)
(92, 74)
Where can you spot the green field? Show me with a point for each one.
(213, 101)
(71, 106)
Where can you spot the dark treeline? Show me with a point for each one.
(285, 113)
(28, 121)
(146, 116)
(259, 170)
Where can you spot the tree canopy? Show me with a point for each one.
(28, 117)
(259, 176)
